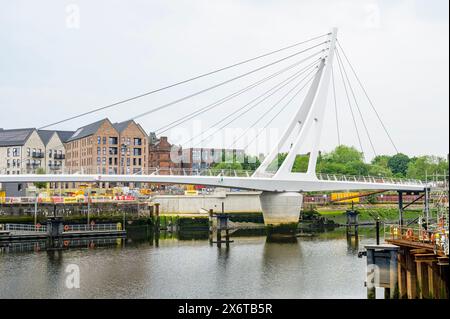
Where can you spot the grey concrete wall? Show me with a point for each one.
(242, 202)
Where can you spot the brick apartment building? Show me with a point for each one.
(106, 148)
(160, 154)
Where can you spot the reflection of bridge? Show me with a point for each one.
(281, 198)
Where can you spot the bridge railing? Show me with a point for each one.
(162, 171)
(369, 179)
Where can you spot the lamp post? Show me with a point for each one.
(88, 204)
(35, 208)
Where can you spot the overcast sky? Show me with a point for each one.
(61, 58)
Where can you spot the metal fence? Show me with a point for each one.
(25, 228)
(96, 227)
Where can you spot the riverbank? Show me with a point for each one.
(325, 215)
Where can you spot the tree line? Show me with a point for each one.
(347, 160)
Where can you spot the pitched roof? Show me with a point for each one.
(122, 125)
(46, 135)
(65, 135)
(15, 137)
(87, 130)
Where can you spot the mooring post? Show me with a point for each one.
(378, 230)
(210, 220)
(157, 213)
(35, 208)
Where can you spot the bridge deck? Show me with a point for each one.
(295, 184)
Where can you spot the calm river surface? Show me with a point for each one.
(323, 266)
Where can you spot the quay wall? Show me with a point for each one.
(234, 202)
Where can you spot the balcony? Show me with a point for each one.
(37, 155)
(33, 165)
(59, 156)
(54, 167)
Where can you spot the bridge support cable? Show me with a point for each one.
(335, 107)
(271, 108)
(245, 110)
(219, 102)
(367, 96)
(161, 107)
(356, 103)
(350, 106)
(268, 92)
(98, 109)
(278, 113)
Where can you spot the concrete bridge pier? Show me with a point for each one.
(281, 210)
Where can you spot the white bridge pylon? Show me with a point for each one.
(307, 121)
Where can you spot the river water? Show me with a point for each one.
(188, 266)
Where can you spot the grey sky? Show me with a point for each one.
(51, 68)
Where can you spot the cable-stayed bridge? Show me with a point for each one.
(281, 197)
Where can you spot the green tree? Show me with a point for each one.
(251, 163)
(231, 165)
(425, 166)
(343, 159)
(381, 160)
(379, 170)
(40, 185)
(399, 164)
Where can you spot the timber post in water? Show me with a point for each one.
(221, 225)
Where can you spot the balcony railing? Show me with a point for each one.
(59, 156)
(33, 165)
(55, 167)
(37, 155)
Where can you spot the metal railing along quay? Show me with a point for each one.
(96, 227)
(18, 229)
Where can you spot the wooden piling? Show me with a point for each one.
(401, 274)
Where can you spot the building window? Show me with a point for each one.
(16, 151)
(104, 139)
(28, 152)
(99, 139)
(8, 152)
(99, 151)
(137, 152)
(104, 151)
(113, 140)
(98, 160)
(137, 141)
(128, 161)
(113, 151)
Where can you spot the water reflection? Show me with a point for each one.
(184, 265)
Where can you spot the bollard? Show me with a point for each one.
(378, 230)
